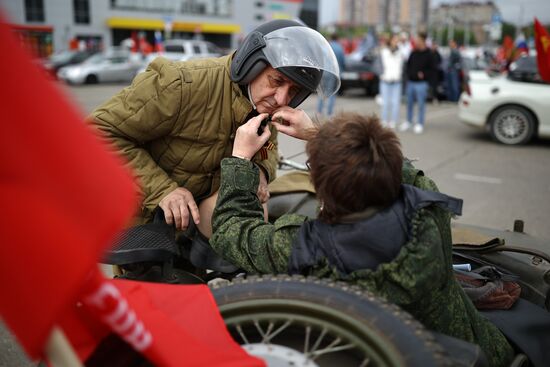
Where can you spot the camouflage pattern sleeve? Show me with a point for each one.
(420, 279)
(240, 234)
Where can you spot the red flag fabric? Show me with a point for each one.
(171, 325)
(542, 42)
(135, 41)
(65, 197)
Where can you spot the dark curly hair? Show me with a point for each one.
(355, 163)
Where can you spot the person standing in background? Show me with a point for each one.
(390, 81)
(420, 71)
(452, 73)
(405, 45)
(339, 52)
(439, 75)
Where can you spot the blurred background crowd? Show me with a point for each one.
(122, 36)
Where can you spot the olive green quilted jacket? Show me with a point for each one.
(175, 123)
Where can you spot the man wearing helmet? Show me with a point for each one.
(177, 120)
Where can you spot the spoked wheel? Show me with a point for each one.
(512, 125)
(297, 321)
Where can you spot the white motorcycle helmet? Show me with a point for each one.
(300, 53)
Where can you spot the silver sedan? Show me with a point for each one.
(104, 67)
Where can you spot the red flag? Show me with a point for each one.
(171, 325)
(542, 42)
(135, 42)
(65, 197)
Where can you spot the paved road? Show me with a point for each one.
(498, 183)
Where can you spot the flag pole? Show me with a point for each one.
(59, 351)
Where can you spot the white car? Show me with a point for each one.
(190, 49)
(514, 108)
(183, 50)
(110, 66)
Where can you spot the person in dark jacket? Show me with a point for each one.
(340, 57)
(439, 74)
(382, 225)
(452, 74)
(420, 71)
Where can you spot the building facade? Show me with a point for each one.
(471, 16)
(410, 15)
(51, 25)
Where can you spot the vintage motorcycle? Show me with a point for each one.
(305, 321)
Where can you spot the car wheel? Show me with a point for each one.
(512, 125)
(91, 79)
(372, 89)
(298, 321)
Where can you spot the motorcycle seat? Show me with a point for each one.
(148, 242)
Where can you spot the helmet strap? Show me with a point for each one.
(250, 96)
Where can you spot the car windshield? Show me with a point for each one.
(62, 57)
(477, 63)
(175, 48)
(525, 69)
(96, 59)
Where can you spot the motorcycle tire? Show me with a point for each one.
(294, 320)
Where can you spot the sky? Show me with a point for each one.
(513, 11)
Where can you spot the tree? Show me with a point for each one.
(508, 29)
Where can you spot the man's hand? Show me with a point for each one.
(293, 122)
(263, 191)
(177, 205)
(247, 142)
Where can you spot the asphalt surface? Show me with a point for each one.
(498, 183)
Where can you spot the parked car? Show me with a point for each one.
(514, 108)
(183, 50)
(65, 58)
(110, 66)
(362, 73)
(190, 49)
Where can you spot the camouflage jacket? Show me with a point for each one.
(420, 279)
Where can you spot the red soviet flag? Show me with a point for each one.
(169, 325)
(542, 42)
(64, 198)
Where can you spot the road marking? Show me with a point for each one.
(472, 178)
(434, 115)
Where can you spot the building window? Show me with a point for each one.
(81, 11)
(34, 10)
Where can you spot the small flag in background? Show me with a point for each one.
(542, 43)
(159, 44)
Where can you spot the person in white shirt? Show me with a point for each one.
(390, 81)
(405, 45)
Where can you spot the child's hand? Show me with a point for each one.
(247, 142)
